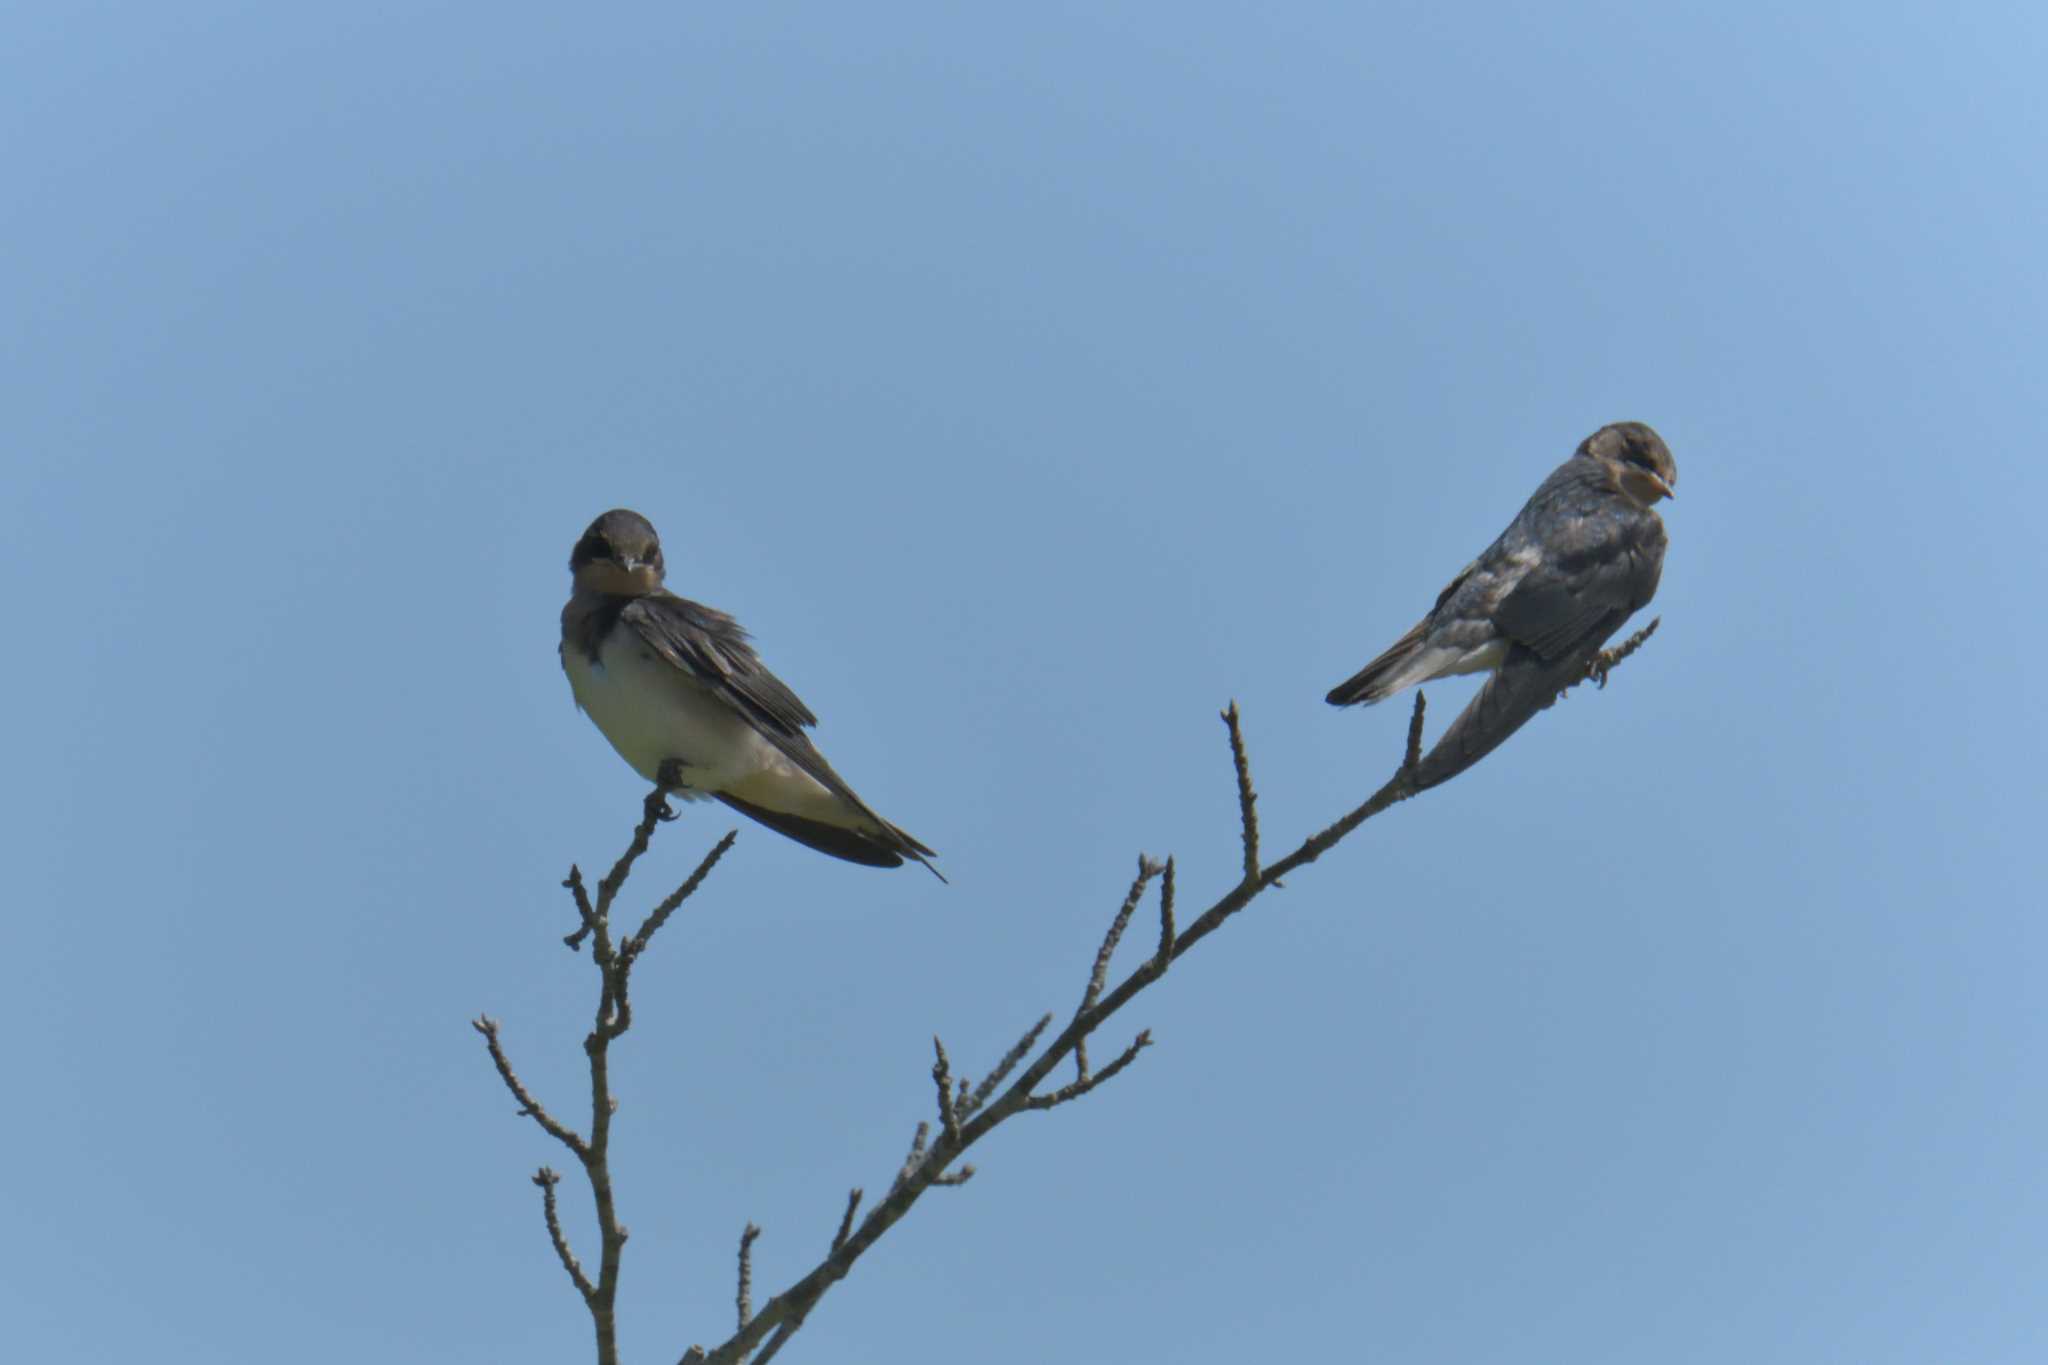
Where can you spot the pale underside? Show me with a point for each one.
(652, 711)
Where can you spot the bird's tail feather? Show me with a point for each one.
(841, 841)
(1388, 674)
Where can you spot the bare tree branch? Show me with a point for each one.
(1247, 799)
(745, 1299)
(637, 944)
(777, 1342)
(1165, 954)
(966, 1113)
(584, 910)
(1147, 870)
(846, 1219)
(930, 1158)
(1005, 1066)
(942, 1077)
(529, 1107)
(613, 1017)
(547, 1180)
(1087, 1083)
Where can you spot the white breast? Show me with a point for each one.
(652, 711)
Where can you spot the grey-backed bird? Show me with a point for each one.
(1581, 557)
(668, 679)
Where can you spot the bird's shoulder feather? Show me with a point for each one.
(712, 648)
(1597, 559)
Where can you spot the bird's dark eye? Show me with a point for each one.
(597, 547)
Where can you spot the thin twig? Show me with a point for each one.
(1087, 1083)
(846, 1219)
(529, 1107)
(547, 1180)
(1165, 953)
(1247, 799)
(913, 1162)
(1147, 870)
(777, 1342)
(637, 944)
(584, 911)
(1004, 1067)
(654, 810)
(942, 1078)
(745, 1301)
(614, 1015)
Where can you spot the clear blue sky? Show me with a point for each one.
(1031, 385)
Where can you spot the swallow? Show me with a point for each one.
(1582, 556)
(669, 680)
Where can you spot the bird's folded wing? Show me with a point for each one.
(1593, 572)
(711, 647)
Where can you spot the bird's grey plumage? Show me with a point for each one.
(1585, 553)
(665, 678)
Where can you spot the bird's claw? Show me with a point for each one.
(667, 778)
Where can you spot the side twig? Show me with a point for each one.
(1247, 799)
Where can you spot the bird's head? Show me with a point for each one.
(620, 554)
(1638, 458)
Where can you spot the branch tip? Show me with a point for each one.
(1082, 1086)
(546, 1178)
(1247, 799)
(585, 915)
(942, 1079)
(1147, 870)
(745, 1300)
(846, 1219)
(637, 944)
(1412, 758)
(1165, 953)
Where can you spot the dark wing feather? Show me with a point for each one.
(1600, 561)
(836, 840)
(1598, 565)
(712, 648)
